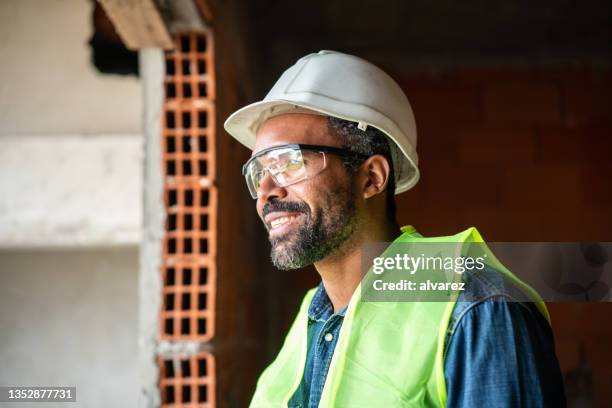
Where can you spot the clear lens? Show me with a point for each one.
(285, 166)
(252, 177)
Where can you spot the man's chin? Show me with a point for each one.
(283, 237)
(283, 255)
(279, 240)
(280, 245)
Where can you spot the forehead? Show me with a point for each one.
(294, 128)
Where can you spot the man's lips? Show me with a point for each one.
(277, 220)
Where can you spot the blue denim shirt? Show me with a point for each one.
(498, 351)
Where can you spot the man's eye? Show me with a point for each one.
(285, 165)
(293, 164)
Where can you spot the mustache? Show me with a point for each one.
(285, 206)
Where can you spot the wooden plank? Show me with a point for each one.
(139, 23)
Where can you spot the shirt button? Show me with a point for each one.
(329, 337)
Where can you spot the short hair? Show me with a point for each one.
(366, 142)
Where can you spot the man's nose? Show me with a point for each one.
(269, 190)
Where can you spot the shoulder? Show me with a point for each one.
(490, 300)
(499, 350)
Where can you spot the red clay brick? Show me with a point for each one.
(597, 354)
(594, 224)
(545, 187)
(187, 381)
(561, 144)
(497, 145)
(522, 103)
(190, 242)
(470, 185)
(598, 144)
(411, 200)
(587, 103)
(455, 104)
(576, 325)
(559, 224)
(595, 185)
(509, 223)
(504, 224)
(438, 143)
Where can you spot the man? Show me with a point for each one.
(333, 141)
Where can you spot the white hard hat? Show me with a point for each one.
(344, 86)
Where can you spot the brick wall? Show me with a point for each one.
(524, 155)
(521, 153)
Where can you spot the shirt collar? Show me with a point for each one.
(321, 307)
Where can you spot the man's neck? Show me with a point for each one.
(341, 273)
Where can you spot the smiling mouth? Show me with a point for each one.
(280, 225)
(282, 221)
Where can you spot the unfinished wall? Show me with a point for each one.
(69, 176)
(520, 152)
(59, 185)
(71, 190)
(48, 83)
(69, 318)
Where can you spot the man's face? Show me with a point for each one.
(313, 218)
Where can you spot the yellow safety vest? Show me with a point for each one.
(388, 354)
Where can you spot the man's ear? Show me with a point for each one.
(375, 173)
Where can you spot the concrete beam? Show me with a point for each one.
(70, 190)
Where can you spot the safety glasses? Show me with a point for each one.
(289, 164)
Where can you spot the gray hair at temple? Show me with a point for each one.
(366, 142)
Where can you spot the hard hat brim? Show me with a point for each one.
(244, 123)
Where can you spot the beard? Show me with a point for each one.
(318, 235)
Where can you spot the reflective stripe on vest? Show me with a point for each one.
(388, 354)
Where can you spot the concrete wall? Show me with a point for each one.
(69, 318)
(49, 85)
(70, 177)
(70, 190)
(70, 168)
